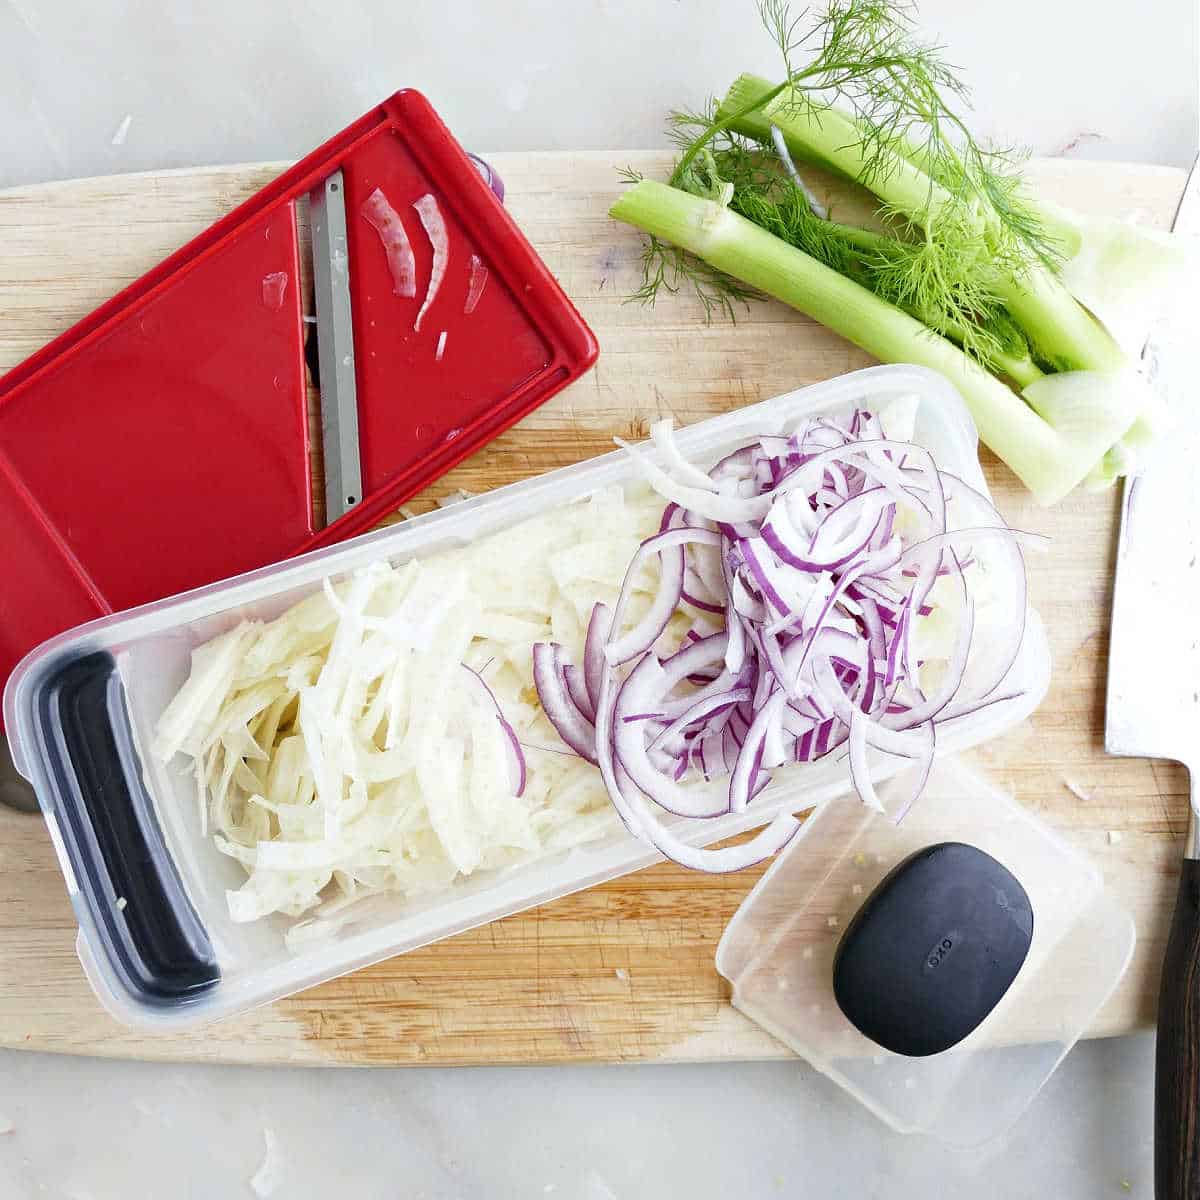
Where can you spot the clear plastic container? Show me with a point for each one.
(150, 646)
(778, 953)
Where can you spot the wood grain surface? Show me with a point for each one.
(623, 971)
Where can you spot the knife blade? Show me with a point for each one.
(1152, 708)
(1153, 701)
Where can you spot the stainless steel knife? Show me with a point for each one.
(1153, 703)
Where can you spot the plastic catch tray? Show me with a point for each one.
(778, 953)
(126, 668)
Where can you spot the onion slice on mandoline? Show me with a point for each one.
(489, 175)
(850, 624)
(435, 229)
(400, 259)
(475, 284)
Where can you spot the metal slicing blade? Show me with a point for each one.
(335, 348)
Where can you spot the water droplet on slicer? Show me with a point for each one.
(423, 431)
(274, 287)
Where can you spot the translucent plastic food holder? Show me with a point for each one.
(152, 647)
(778, 953)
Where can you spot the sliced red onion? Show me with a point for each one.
(475, 284)
(746, 604)
(396, 247)
(571, 725)
(899, 641)
(577, 690)
(798, 651)
(745, 772)
(663, 436)
(489, 175)
(670, 548)
(684, 663)
(732, 466)
(870, 459)
(645, 686)
(699, 588)
(851, 527)
(672, 518)
(762, 576)
(796, 550)
(922, 777)
(767, 843)
(1015, 609)
(435, 229)
(956, 669)
(517, 765)
(638, 817)
(696, 712)
(710, 505)
(689, 596)
(793, 539)
(599, 627)
(900, 744)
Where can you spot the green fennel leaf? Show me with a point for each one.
(665, 267)
(861, 67)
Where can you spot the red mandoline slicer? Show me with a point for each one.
(163, 442)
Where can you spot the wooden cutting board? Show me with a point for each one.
(623, 971)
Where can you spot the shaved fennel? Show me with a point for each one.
(1127, 275)
(341, 750)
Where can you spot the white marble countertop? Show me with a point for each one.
(121, 85)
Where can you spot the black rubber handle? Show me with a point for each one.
(1177, 1064)
(124, 872)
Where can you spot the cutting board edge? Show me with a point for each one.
(110, 1041)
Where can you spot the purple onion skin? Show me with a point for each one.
(489, 175)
